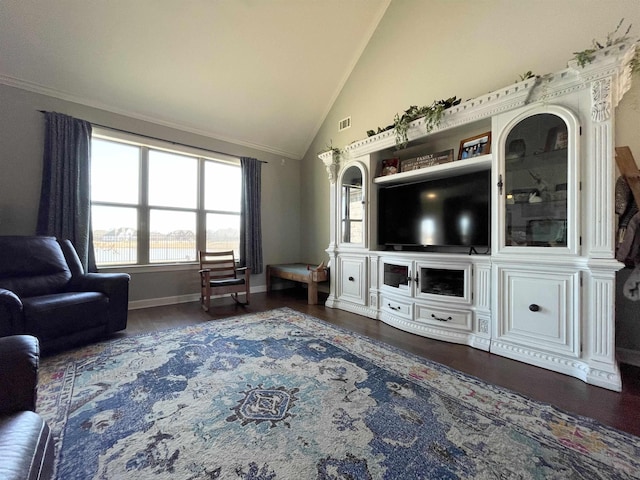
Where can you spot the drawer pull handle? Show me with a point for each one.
(534, 308)
(397, 309)
(351, 279)
(440, 319)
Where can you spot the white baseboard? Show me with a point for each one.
(192, 297)
(628, 356)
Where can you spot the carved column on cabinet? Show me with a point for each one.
(373, 282)
(606, 87)
(482, 300)
(602, 173)
(599, 350)
(603, 369)
(331, 162)
(608, 82)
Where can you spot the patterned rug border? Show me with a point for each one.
(569, 430)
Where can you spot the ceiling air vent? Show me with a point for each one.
(344, 124)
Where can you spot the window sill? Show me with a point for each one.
(150, 268)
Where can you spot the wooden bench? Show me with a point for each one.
(300, 272)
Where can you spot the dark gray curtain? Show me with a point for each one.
(65, 201)
(250, 216)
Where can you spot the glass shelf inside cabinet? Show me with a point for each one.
(536, 172)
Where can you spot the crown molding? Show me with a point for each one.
(88, 102)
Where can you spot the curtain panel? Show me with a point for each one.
(250, 216)
(65, 200)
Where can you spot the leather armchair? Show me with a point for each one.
(45, 292)
(26, 443)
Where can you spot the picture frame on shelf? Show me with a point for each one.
(390, 166)
(557, 139)
(475, 146)
(428, 160)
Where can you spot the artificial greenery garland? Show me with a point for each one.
(586, 56)
(432, 116)
(433, 113)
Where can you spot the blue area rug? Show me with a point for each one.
(282, 395)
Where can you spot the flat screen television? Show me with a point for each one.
(447, 212)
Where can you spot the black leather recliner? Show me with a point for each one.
(26, 442)
(45, 292)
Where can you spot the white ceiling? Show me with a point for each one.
(260, 73)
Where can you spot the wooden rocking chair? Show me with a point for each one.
(219, 275)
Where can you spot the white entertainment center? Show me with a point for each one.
(544, 292)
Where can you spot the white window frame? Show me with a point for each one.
(143, 208)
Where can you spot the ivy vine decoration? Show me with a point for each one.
(432, 116)
(587, 56)
(371, 133)
(526, 76)
(331, 148)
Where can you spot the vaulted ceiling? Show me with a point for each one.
(259, 73)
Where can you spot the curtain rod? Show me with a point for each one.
(160, 139)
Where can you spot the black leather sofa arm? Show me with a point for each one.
(19, 362)
(111, 284)
(11, 318)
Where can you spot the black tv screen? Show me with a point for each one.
(452, 211)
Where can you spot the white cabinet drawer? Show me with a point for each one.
(445, 317)
(396, 307)
(352, 284)
(539, 309)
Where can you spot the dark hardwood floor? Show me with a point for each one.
(619, 410)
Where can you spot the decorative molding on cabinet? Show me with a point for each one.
(431, 332)
(331, 162)
(601, 100)
(550, 361)
(363, 310)
(606, 377)
(483, 325)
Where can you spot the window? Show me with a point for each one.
(153, 205)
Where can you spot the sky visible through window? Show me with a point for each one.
(115, 179)
(171, 187)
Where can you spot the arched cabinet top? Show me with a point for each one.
(352, 211)
(350, 171)
(564, 113)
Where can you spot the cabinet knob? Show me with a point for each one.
(351, 279)
(534, 308)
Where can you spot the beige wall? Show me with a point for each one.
(21, 146)
(429, 50)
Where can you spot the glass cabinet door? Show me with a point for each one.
(352, 206)
(396, 275)
(442, 281)
(535, 183)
